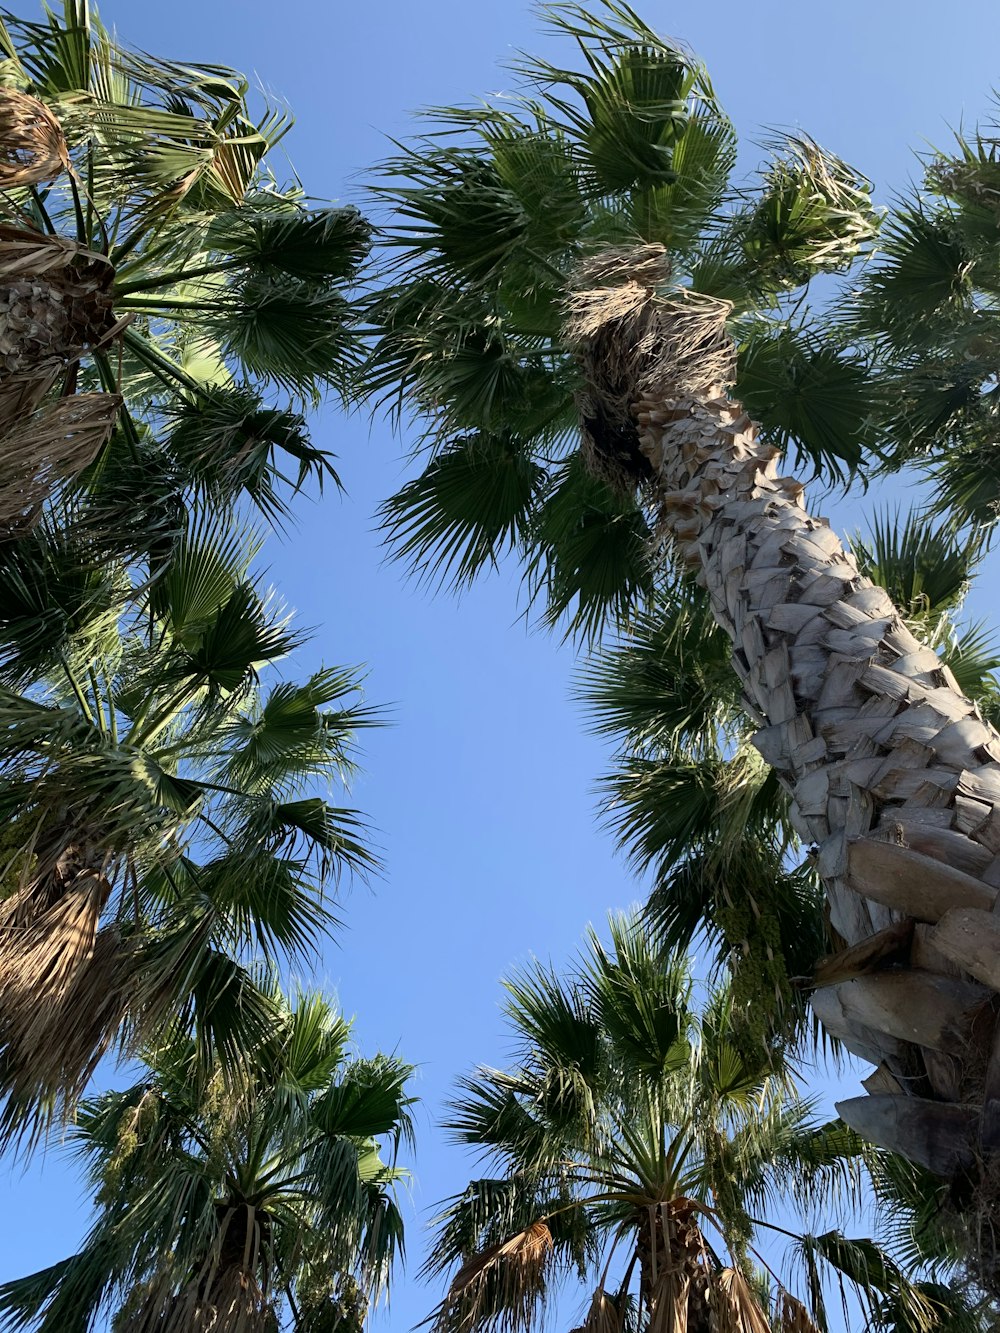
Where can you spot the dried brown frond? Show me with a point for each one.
(232, 1301)
(55, 300)
(501, 1286)
(603, 1316)
(47, 932)
(48, 449)
(21, 394)
(32, 144)
(53, 1033)
(633, 334)
(737, 1308)
(793, 1317)
(670, 1301)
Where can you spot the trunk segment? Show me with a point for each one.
(893, 774)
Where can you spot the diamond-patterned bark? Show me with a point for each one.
(894, 776)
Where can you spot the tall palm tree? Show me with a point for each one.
(582, 323)
(167, 815)
(236, 1205)
(138, 205)
(635, 1139)
(166, 812)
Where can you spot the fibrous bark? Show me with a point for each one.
(894, 775)
(56, 303)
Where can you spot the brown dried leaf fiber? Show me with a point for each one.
(793, 1317)
(62, 1005)
(231, 1301)
(49, 448)
(634, 334)
(32, 145)
(512, 1271)
(737, 1308)
(55, 300)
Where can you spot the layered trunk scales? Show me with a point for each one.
(893, 774)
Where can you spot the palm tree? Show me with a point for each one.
(633, 1135)
(166, 822)
(231, 1205)
(138, 206)
(162, 808)
(571, 305)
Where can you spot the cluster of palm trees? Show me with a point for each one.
(603, 342)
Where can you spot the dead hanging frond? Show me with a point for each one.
(500, 1287)
(53, 1033)
(670, 1301)
(48, 449)
(32, 145)
(737, 1308)
(603, 1315)
(233, 1301)
(635, 335)
(55, 300)
(21, 394)
(793, 1317)
(47, 931)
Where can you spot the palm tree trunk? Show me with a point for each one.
(894, 777)
(675, 1281)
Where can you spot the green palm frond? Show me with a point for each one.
(810, 397)
(667, 684)
(326, 243)
(926, 570)
(814, 215)
(593, 564)
(468, 508)
(923, 273)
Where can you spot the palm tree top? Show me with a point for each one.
(633, 1141)
(620, 169)
(223, 285)
(276, 1183)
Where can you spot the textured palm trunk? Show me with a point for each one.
(675, 1279)
(894, 779)
(682, 1288)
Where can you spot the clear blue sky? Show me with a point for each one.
(482, 788)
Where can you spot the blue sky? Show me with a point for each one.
(482, 787)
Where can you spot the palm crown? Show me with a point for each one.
(497, 211)
(140, 209)
(221, 1203)
(635, 1137)
(927, 310)
(154, 785)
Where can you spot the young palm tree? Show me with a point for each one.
(635, 1138)
(161, 806)
(138, 207)
(235, 1205)
(583, 324)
